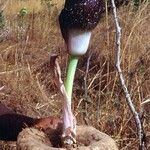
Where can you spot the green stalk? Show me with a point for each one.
(72, 65)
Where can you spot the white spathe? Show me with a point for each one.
(78, 41)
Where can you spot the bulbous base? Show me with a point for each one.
(88, 138)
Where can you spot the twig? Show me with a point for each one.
(1, 88)
(145, 102)
(122, 81)
(86, 89)
(143, 105)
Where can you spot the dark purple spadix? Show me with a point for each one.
(77, 20)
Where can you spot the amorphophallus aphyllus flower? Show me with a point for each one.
(77, 20)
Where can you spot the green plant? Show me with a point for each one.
(21, 16)
(23, 12)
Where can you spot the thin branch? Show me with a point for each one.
(86, 90)
(145, 102)
(1, 88)
(122, 80)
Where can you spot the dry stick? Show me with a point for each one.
(86, 90)
(2, 88)
(126, 92)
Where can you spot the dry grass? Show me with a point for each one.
(27, 78)
(15, 6)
